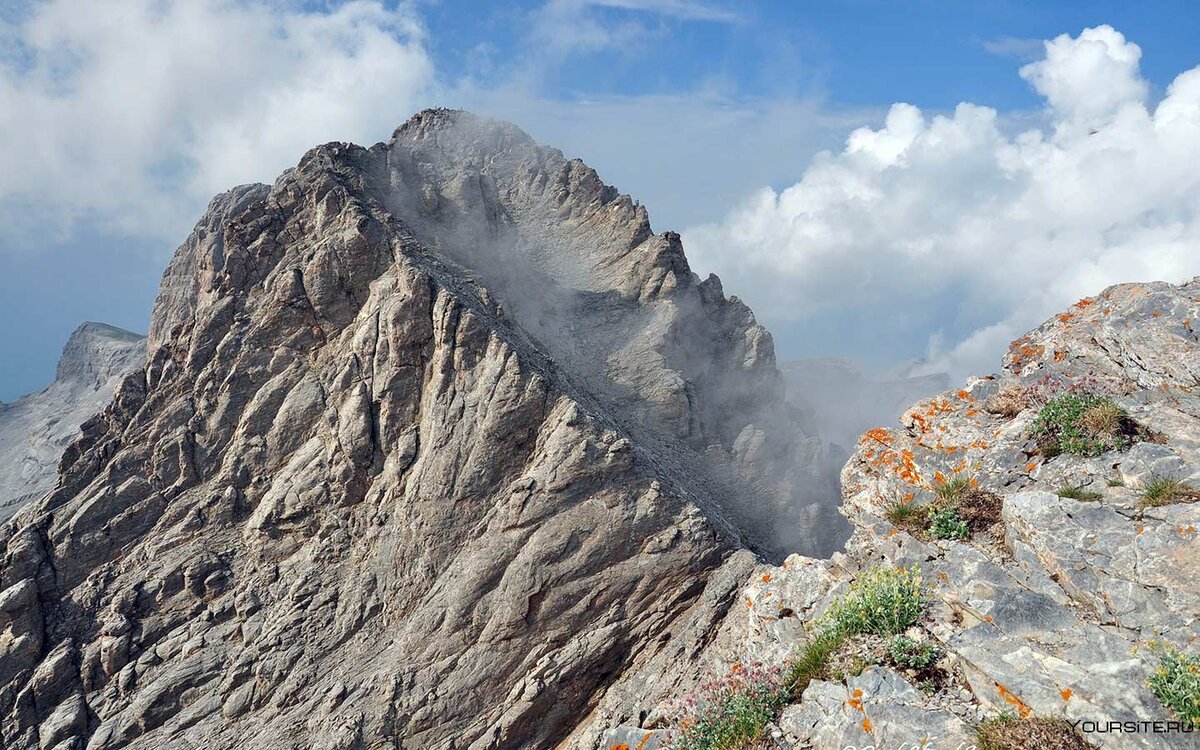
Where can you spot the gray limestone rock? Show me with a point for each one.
(1054, 609)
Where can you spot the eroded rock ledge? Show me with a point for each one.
(1049, 612)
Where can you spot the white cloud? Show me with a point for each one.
(134, 112)
(1086, 80)
(561, 27)
(688, 156)
(951, 224)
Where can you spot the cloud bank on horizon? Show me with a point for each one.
(967, 219)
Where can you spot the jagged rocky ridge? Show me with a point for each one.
(435, 441)
(35, 429)
(1047, 613)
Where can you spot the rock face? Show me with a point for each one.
(36, 428)
(435, 441)
(1049, 611)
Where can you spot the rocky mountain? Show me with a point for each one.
(35, 429)
(1065, 574)
(436, 440)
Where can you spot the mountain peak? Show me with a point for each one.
(95, 351)
(460, 371)
(36, 428)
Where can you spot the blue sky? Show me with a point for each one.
(693, 108)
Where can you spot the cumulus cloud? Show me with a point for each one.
(133, 112)
(950, 223)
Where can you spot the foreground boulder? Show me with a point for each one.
(1075, 572)
(435, 441)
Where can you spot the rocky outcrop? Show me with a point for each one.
(435, 441)
(36, 428)
(1049, 610)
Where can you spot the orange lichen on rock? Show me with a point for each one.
(1022, 350)
(939, 406)
(1085, 302)
(908, 468)
(1011, 699)
(878, 435)
(1066, 694)
(866, 725)
(766, 578)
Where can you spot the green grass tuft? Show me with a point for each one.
(906, 515)
(1163, 490)
(1082, 424)
(951, 489)
(810, 664)
(1077, 492)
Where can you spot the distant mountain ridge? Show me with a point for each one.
(36, 428)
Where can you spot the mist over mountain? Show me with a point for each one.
(841, 400)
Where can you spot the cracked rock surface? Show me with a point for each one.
(1047, 612)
